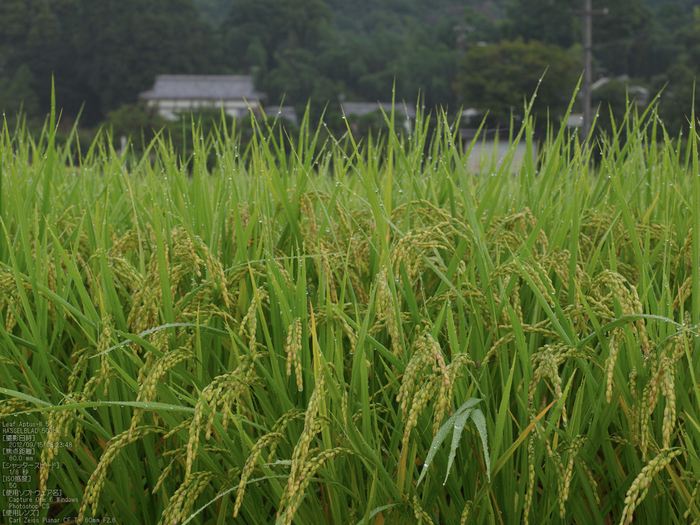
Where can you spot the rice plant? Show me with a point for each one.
(292, 336)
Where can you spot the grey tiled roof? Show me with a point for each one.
(207, 87)
(362, 108)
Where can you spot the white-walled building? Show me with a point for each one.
(173, 94)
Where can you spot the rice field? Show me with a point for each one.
(324, 331)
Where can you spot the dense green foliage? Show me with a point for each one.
(498, 78)
(104, 53)
(101, 54)
(294, 333)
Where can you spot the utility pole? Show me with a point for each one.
(587, 14)
(587, 44)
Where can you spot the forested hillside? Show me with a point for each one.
(102, 54)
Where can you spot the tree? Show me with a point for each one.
(102, 54)
(213, 11)
(284, 44)
(123, 44)
(621, 38)
(272, 26)
(688, 39)
(478, 27)
(677, 98)
(29, 41)
(427, 64)
(17, 94)
(544, 20)
(498, 78)
(662, 49)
